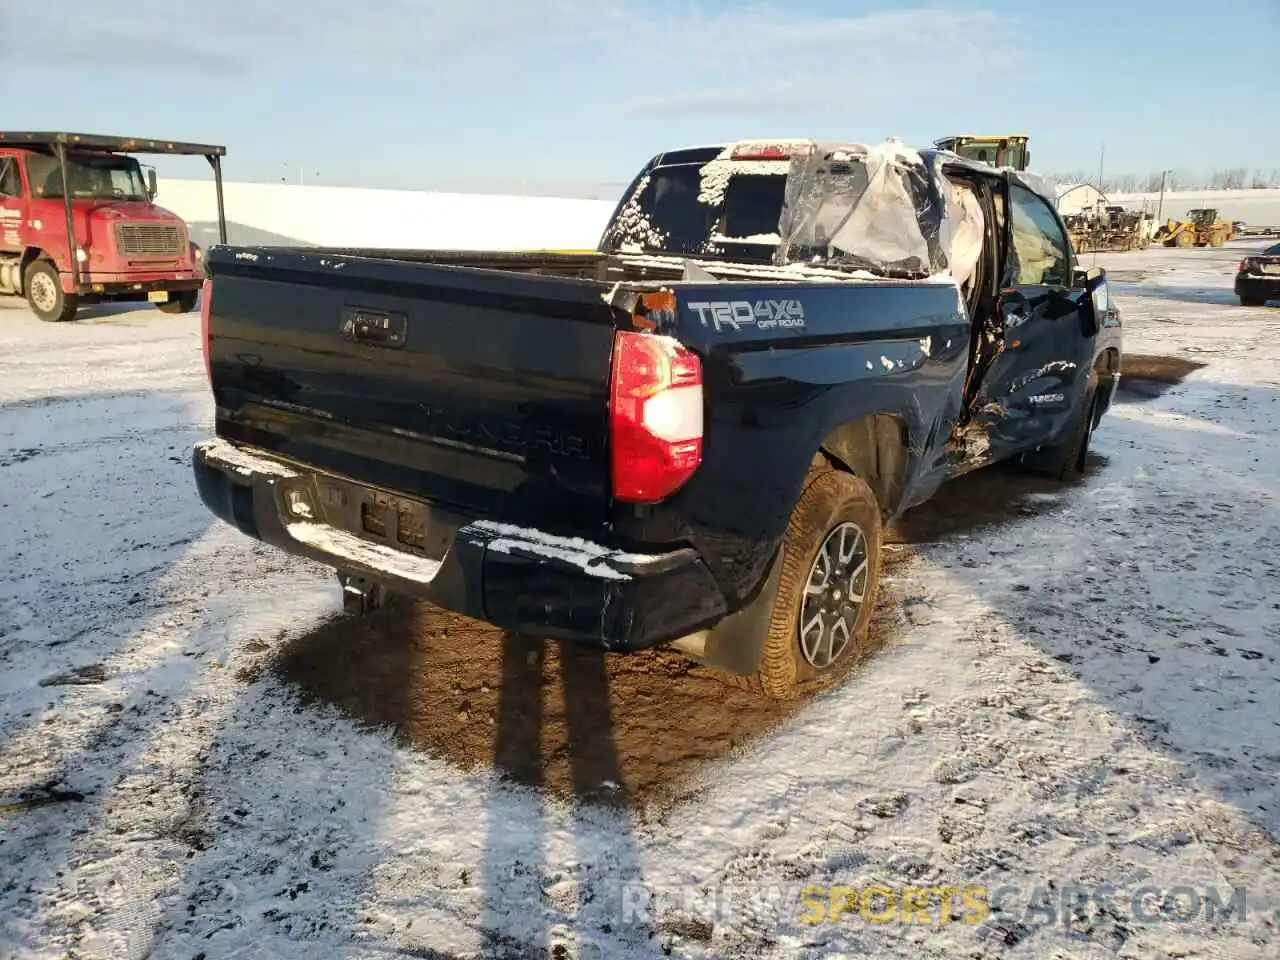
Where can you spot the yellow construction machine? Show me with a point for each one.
(1201, 228)
(1210, 231)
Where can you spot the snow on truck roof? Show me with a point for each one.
(851, 208)
(772, 153)
(94, 141)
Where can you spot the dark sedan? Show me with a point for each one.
(1258, 277)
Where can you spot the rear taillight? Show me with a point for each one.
(655, 416)
(206, 305)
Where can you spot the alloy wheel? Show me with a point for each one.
(833, 596)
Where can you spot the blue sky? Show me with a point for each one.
(505, 94)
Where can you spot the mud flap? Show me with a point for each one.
(736, 643)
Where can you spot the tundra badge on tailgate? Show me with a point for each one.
(765, 314)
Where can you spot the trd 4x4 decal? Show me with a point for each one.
(765, 314)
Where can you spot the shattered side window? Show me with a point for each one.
(1039, 247)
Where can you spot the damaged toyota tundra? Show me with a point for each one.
(693, 436)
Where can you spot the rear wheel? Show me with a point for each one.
(183, 302)
(827, 585)
(1252, 302)
(44, 292)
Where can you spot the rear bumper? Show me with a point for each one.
(1260, 288)
(516, 578)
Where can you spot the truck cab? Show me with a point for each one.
(79, 224)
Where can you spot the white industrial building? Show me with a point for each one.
(1077, 198)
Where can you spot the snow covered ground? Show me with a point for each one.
(1082, 690)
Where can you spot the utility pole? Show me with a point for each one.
(1164, 175)
(1102, 155)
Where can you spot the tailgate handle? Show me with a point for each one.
(375, 328)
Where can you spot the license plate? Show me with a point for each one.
(380, 514)
(1271, 268)
(158, 296)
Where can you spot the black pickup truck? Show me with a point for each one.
(692, 436)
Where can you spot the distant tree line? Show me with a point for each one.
(1233, 178)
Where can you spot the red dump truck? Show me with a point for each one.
(103, 238)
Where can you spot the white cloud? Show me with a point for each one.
(91, 35)
(768, 61)
(704, 60)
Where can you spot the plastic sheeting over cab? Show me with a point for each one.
(857, 207)
(873, 210)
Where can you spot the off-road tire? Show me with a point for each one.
(1066, 460)
(184, 302)
(830, 498)
(46, 300)
(1252, 302)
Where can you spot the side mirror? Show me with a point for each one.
(1098, 309)
(152, 187)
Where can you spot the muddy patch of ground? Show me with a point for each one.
(1126, 276)
(1147, 376)
(631, 730)
(1143, 366)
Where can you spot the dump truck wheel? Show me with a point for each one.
(827, 586)
(44, 293)
(184, 302)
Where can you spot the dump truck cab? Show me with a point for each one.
(79, 224)
(999, 150)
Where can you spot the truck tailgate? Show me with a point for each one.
(453, 385)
